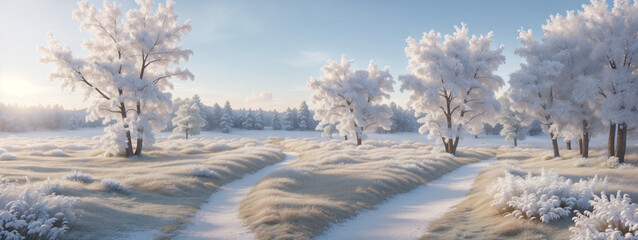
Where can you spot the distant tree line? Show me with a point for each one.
(15, 118)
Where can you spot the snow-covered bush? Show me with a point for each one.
(34, 212)
(546, 197)
(612, 218)
(112, 185)
(8, 156)
(583, 162)
(200, 171)
(78, 176)
(611, 162)
(219, 147)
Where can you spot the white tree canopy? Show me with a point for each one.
(352, 100)
(453, 83)
(127, 70)
(188, 119)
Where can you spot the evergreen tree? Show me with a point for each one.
(276, 122)
(249, 120)
(288, 121)
(226, 122)
(259, 120)
(304, 116)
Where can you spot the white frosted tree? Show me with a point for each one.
(225, 123)
(351, 100)
(453, 83)
(612, 32)
(533, 88)
(276, 121)
(513, 129)
(287, 122)
(249, 120)
(127, 69)
(303, 116)
(188, 119)
(259, 120)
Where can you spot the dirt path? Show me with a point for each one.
(407, 216)
(219, 217)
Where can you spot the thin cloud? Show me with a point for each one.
(260, 97)
(308, 58)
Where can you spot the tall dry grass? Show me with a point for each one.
(474, 218)
(335, 180)
(165, 187)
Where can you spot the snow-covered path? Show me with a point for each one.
(219, 217)
(407, 216)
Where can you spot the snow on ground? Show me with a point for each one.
(407, 216)
(483, 141)
(219, 217)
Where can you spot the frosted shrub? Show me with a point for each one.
(612, 218)
(34, 212)
(78, 176)
(546, 197)
(112, 185)
(200, 171)
(8, 156)
(611, 162)
(219, 147)
(582, 162)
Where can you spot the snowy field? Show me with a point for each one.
(189, 189)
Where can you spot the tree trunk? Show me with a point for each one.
(454, 145)
(610, 140)
(621, 142)
(585, 145)
(476, 136)
(129, 142)
(515, 142)
(358, 141)
(138, 149)
(345, 137)
(447, 147)
(580, 146)
(554, 145)
(187, 134)
(568, 145)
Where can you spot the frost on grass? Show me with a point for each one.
(612, 218)
(583, 162)
(546, 197)
(34, 212)
(200, 171)
(78, 176)
(112, 185)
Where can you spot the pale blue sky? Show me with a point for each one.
(262, 53)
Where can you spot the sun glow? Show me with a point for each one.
(20, 91)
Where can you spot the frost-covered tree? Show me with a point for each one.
(276, 122)
(612, 32)
(216, 116)
(303, 117)
(288, 121)
(453, 83)
(127, 69)
(352, 99)
(259, 120)
(225, 123)
(513, 129)
(188, 120)
(533, 87)
(326, 130)
(249, 120)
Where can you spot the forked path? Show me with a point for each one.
(219, 217)
(408, 215)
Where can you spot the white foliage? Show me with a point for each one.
(128, 67)
(78, 176)
(611, 162)
(546, 197)
(34, 212)
(226, 123)
(113, 185)
(188, 119)
(351, 100)
(459, 71)
(200, 171)
(7, 156)
(615, 217)
(512, 122)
